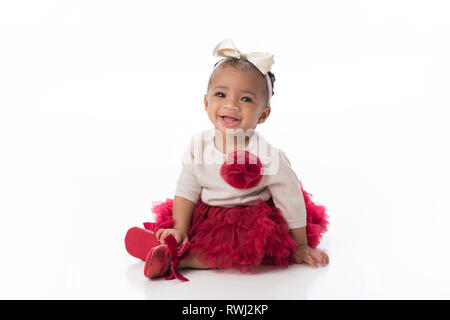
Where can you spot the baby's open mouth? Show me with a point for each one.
(229, 121)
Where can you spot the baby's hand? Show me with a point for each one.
(180, 235)
(311, 256)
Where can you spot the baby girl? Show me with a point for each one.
(238, 203)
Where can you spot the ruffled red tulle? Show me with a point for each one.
(316, 220)
(242, 237)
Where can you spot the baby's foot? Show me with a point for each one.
(157, 262)
(138, 242)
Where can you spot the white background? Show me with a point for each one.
(99, 98)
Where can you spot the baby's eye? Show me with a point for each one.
(217, 94)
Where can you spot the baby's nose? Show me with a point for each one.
(231, 106)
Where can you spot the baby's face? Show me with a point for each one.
(236, 99)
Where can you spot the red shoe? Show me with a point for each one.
(138, 242)
(166, 257)
(157, 261)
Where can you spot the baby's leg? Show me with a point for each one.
(192, 262)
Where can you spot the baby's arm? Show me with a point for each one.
(182, 214)
(288, 197)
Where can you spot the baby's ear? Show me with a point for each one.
(205, 101)
(264, 115)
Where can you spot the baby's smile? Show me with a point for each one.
(229, 121)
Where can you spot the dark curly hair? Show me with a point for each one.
(244, 64)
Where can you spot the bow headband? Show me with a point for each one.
(261, 60)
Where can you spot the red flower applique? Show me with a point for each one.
(241, 170)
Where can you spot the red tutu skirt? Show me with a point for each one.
(242, 237)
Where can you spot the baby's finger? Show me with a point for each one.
(327, 259)
(319, 259)
(163, 235)
(158, 233)
(310, 261)
(325, 256)
(186, 239)
(177, 237)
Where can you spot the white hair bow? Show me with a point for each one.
(261, 60)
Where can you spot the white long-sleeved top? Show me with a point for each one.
(200, 175)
